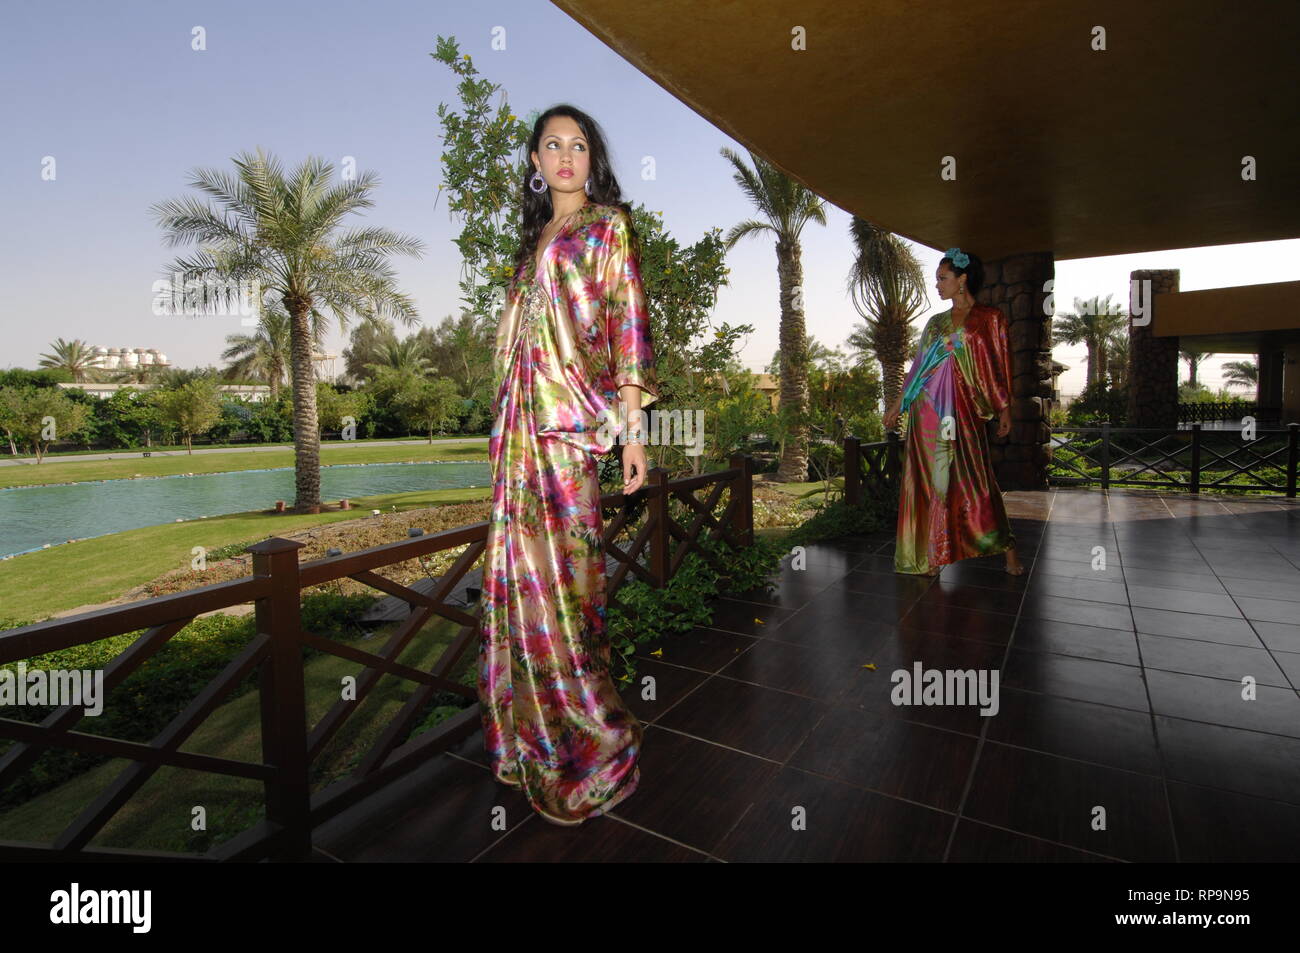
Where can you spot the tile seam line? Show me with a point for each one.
(1006, 654)
(1146, 687)
(1251, 622)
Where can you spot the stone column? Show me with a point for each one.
(1152, 361)
(1268, 394)
(1291, 385)
(1019, 285)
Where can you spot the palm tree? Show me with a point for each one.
(787, 207)
(461, 349)
(1093, 323)
(819, 355)
(1116, 354)
(75, 356)
(407, 357)
(1193, 362)
(363, 348)
(141, 374)
(265, 354)
(1241, 373)
(281, 233)
(888, 290)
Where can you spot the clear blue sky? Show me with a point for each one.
(114, 92)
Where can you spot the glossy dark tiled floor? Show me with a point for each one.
(1146, 710)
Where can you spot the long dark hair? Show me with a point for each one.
(536, 209)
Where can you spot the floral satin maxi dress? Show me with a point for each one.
(949, 506)
(570, 336)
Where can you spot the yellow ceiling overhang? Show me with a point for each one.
(1058, 147)
(1244, 319)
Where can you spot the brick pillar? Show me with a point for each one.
(1018, 284)
(1152, 361)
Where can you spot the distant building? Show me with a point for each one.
(766, 384)
(1057, 370)
(129, 358)
(324, 366)
(254, 392)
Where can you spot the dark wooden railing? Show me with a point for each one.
(1194, 459)
(1197, 411)
(871, 468)
(288, 747)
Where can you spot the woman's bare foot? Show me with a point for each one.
(1014, 566)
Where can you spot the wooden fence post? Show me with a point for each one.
(852, 472)
(742, 489)
(657, 512)
(1196, 458)
(894, 459)
(283, 698)
(1105, 455)
(1291, 455)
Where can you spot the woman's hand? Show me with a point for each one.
(633, 458)
(1004, 422)
(891, 418)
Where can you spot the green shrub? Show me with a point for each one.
(840, 518)
(645, 614)
(1100, 402)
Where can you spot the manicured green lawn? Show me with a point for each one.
(814, 491)
(331, 453)
(102, 568)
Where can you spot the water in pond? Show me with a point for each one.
(32, 516)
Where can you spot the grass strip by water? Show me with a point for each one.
(100, 569)
(132, 465)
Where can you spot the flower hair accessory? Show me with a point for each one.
(959, 257)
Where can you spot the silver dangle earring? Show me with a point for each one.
(538, 182)
(587, 187)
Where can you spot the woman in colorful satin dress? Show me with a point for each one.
(574, 365)
(949, 505)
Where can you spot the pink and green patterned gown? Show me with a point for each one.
(949, 505)
(570, 337)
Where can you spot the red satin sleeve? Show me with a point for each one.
(993, 363)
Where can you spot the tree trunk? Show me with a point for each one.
(1092, 363)
(794, 365)
(892, 376)
(890, 339)
(306, 426)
